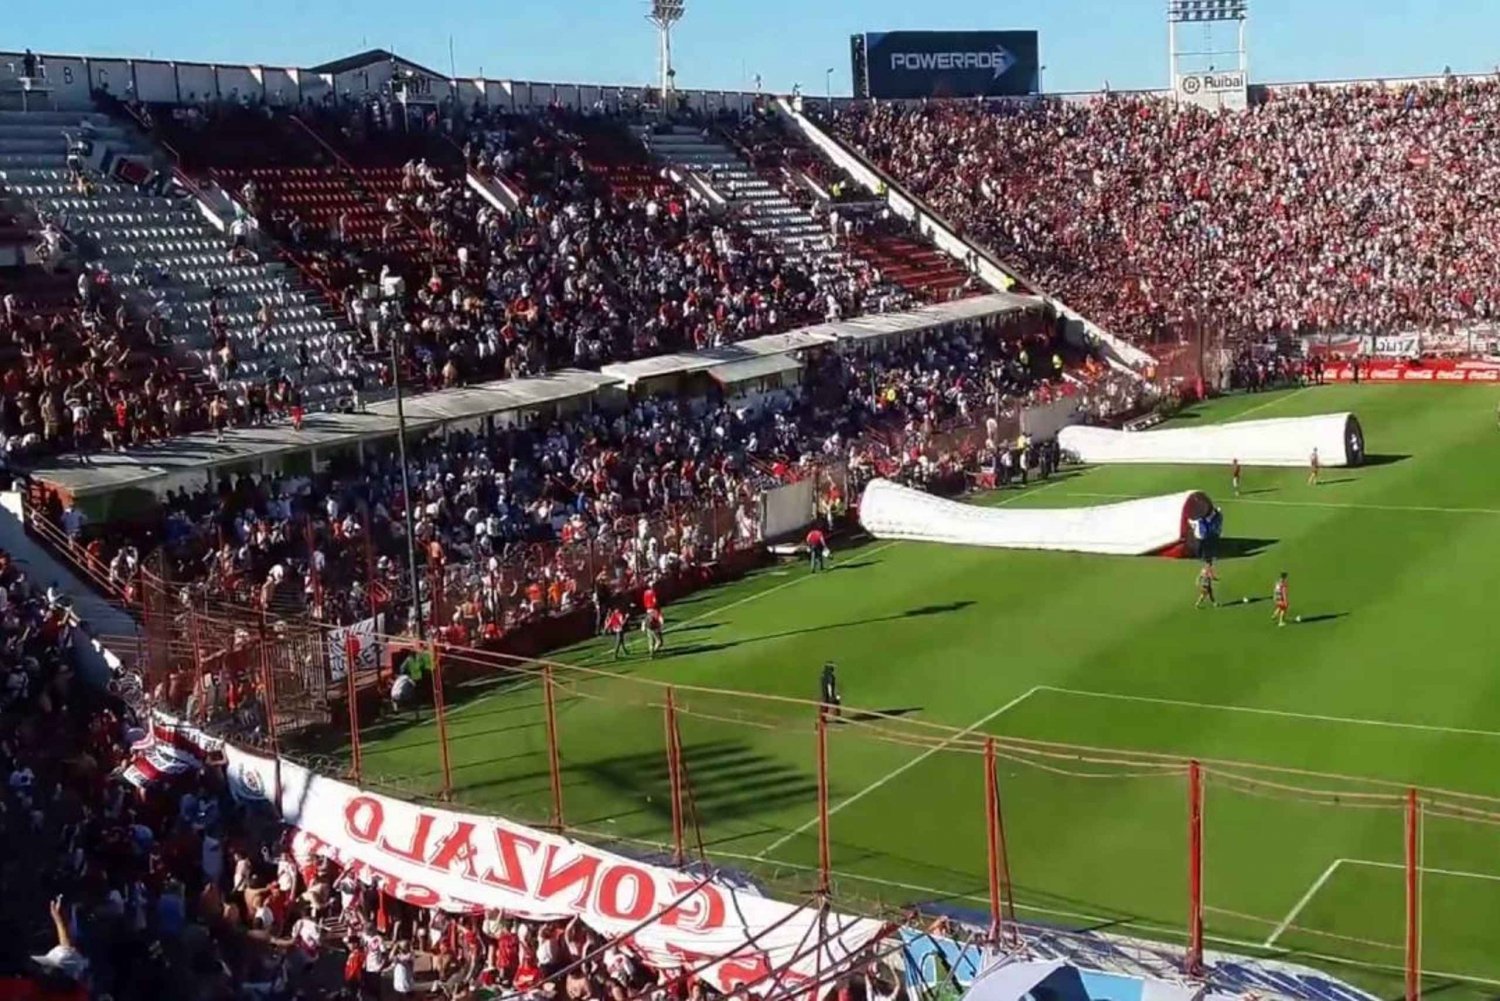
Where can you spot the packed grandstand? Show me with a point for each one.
(190, 272)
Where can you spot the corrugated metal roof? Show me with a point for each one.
(753, 368)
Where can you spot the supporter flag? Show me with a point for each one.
(169, 749)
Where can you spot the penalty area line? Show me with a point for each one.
(1157, 932)
(1486, 876)
(898, 771)
(1268, 404)
(1332, 505)
(1279, 713)
(1307, 897)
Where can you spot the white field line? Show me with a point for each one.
(1268, 404)
(1490, 877)
(1280, 713)
(772, 590)
(1312, 891)
(898, 771)
(1163, 931)
(1333, 505)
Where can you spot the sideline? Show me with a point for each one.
(900, 770)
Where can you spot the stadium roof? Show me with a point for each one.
(198, 454)
(864, 328)
(201, 452)
(371, 57)
(495, 397)
(752, 368)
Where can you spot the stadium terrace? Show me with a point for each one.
(515, 539)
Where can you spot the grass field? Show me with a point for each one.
(1392, 676)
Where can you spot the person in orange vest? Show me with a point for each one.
(616, 624)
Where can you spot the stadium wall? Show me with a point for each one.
(1287, 441)
(1131, 528)
(70, 80)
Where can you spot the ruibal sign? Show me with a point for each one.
(1214, 90)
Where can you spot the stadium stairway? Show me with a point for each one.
(768, 212)
(127, 225)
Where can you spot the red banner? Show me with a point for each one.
(1433, 370)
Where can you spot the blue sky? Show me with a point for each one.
(724, 43)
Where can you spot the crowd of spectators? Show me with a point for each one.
(523, 520)
(580, 274)
(158, 885)
(80, 373)
(1364, 209)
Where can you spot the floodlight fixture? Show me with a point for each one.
(665, 13)
(1184, 11)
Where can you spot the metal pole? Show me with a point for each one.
(553, 764)
(440, 709)
(992, 837)
(370, 579)
(197, 661)
(356, 755)
(409, 501)
(1413, 897)
(268, 683)
(317, 576)
(1195, 870)
(825, 856)
(674, 776)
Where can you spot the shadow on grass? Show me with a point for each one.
(1262, 490)
(873, 714)
(911, 613)
(1312, 620)
(1342, 479)
(1239, 548)
(1383, 458)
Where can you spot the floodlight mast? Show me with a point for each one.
(1206, 13)
(664, 15)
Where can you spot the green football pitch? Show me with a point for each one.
(1100, 679)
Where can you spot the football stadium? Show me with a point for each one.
(512, 539)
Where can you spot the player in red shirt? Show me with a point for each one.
(1234, 476)
(817, 549)
(653, 626)
(616, 624)
(1279, 594)
(649, 600)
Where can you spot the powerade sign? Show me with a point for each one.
(907, 65)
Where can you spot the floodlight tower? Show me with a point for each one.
(664, 14)
(1208, 13)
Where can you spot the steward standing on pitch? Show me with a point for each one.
(829, 694)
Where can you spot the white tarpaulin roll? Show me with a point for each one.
(1284, 441)
(1131, 528)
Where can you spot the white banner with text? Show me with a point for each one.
(432, 857)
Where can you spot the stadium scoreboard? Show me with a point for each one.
(910, 65)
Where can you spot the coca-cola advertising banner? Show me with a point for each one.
(432, 857)
(1433, 370)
